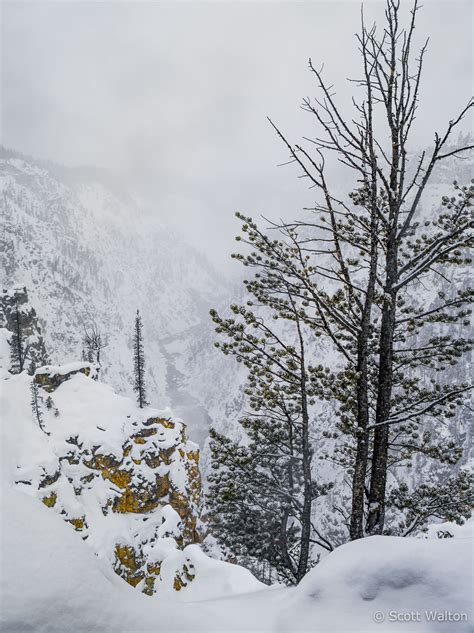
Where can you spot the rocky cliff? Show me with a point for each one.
(20, 319)
(127, 479)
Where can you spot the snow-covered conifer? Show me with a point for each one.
(139, 362)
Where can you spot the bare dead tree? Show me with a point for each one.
(94, 342)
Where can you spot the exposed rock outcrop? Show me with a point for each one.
(20, 319)
(127, 479)
(50, 377)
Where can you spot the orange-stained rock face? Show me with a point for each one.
(155, 475)
(146, 497)
(127, 565)
(51, 380)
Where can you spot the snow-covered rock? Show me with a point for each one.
(49, 377)
(126, 479)
(51, 582)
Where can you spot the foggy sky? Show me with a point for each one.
(174, 96)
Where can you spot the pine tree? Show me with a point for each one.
(18, 344)
(449, 501)
(285, 282)
(27, 349)
(262, 494)
(361, 265)
(139, 363)
(358, 269)
(36, 406)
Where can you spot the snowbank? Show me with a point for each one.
(50, 582)
(213, 578)
(385, 583)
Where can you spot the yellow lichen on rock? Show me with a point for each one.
(153, 568)
(50, 500)
(50, 380)
(193, 455)
(139, 499)
(49, 480)
(165, 455)
(152, 467)
(178, 583)
(183, 578)
(109, 467)
(102, 462)
(127, 565)
(43, 380)
(162, 485)
(149, 588)
(126, 555)
(77, 523)
(121, 478)
(166, 422)
(189, 576)
(146, 432)
(134, 580)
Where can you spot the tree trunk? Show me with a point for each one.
(378, 481)
(307, 456)
(283, 538)
(362, 438)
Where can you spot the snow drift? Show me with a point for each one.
(385, 583)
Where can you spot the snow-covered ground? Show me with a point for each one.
(52, 581)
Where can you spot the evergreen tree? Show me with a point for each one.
(358, 270)
(27, 349)
(139, 363)
(451, 500)
(262, 493)
(18, 343)
(361, 265)
(36, 406)
(421, 398)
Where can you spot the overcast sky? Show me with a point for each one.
(174, 96)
